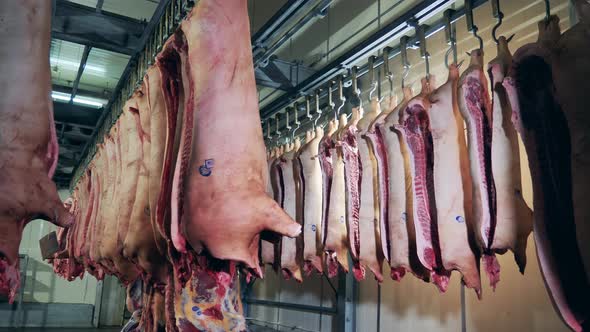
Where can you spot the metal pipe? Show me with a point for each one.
(293, 306)
(261, 58)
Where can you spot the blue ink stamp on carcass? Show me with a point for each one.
(313, 228)
(404, 216)
(342, 219)
(460, 219)
(207, 167)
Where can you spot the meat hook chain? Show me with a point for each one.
(471, 27)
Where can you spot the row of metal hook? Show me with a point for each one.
(338, 83)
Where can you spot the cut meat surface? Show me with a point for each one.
(214, 167)
(28, 143)
(514, 219)
(415, 127)
(452, 183)
(403, 256)
(370, 254)
(474, 104)
(352, 181)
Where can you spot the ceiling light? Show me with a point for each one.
(75, 65)
(81, 100)
(88, 101)
(60, 96)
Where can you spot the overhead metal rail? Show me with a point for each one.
(265, 43)
(379, 40)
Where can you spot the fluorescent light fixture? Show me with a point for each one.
(60, 96)
(429, 11)
(88, 101)
(75, 65)
(65, 97)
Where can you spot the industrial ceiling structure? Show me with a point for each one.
(91, 47)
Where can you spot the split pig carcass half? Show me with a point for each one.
(219, 195)
(547, 89)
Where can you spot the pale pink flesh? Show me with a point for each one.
(375, 138)
(514, 219)
(215, 167)
(290, 250)
(312, 203)
(28, 157)
(452, 182)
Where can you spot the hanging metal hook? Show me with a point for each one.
(499, 16)
(268, 136)
(371, 67)
(318, 110)
(547, 10)
(404, 55)
(471, 27)
(308, 109)
(287, 124)
(386, 70)
(277, 132)
(355, 89)
(331, 104)
(451, 36)
(420, 32)
(340, 95)
(295, 120)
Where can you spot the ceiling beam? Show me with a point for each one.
(75, 114)
(84, 25)
(80, 72)
(86, 93)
